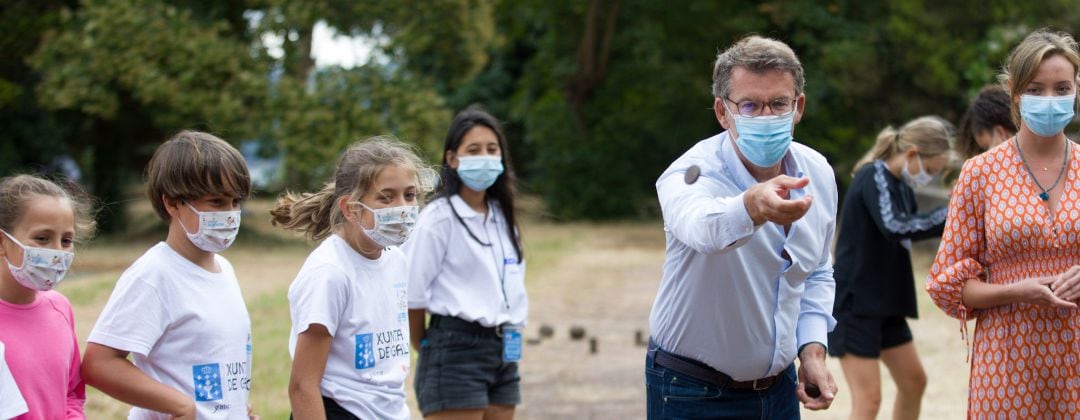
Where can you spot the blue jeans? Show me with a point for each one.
(670, 395)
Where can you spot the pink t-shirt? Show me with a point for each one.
(43, 355)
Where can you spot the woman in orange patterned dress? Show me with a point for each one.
(1014, 217)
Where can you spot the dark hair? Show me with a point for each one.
(503, 189)
(192, 164)
(988, 109)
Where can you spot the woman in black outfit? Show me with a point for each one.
(874, 281)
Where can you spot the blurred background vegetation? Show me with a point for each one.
(598, 96)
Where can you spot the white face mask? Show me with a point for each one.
(42, 268)
(392, 224)
(918, 180)
(217, 229)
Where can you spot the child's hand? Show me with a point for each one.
(252, 415)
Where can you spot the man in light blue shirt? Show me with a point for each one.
(748, 281)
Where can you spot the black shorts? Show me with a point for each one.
(460, 369)
(334, 411)
(867, 336)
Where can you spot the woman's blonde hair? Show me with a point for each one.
(932, 135)
(1024, 61)
(16, 190)
(359, 166)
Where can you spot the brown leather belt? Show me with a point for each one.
(703, 372)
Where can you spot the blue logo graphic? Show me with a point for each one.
(365, 351)
(207, 382)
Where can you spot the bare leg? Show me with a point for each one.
(467, 414)
(906, 369)
(864, 379)
(499, 412)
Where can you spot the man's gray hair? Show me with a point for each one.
(759, 55)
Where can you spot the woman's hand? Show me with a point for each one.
(1067, 285)
(1039, 290)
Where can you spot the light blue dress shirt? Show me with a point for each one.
(728, 297)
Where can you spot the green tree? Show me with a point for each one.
(137, 70)
(30, 136)
(315, 124)
(611, 91)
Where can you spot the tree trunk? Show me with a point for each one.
(107, 177)
(593, 56)
(303, 64)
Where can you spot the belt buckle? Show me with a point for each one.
(763, 386)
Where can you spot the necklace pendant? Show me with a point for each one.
(1044, 196)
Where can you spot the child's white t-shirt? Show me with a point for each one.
(186, 327)
(364, 305)
(11, 400)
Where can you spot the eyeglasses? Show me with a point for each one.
(750, 108)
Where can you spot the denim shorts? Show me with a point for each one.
(464, 370)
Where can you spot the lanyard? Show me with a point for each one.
(501, 268)
(488, 244)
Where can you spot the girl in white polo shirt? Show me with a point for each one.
(11, 401)
(350, 331)
(467, 271)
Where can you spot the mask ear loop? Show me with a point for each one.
(362, 228)
(22, 248)
(197, 214)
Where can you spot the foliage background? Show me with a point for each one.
(597, 96)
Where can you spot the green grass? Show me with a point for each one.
(89, 290)
(271, 364)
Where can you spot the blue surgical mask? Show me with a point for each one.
(479, 172)
(1047, 115)
(764, 140)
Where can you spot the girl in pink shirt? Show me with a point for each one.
(39, 221)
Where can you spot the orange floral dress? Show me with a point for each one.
(1025, 361)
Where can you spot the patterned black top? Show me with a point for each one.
(873, 261)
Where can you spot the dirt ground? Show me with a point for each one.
(602, 278)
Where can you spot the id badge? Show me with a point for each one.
(511, 343)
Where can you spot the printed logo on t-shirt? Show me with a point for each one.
(365, 351)
(402, 303)
(207, 382)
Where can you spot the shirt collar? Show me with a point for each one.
(467, 212)
(462, 208)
